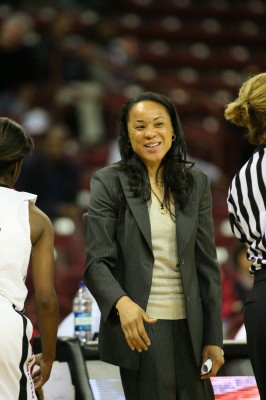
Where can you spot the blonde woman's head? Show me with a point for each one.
(249, 108)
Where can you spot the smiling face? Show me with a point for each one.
(150, 132)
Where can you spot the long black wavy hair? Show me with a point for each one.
(177, 177)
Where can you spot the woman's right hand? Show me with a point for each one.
(42, 374)
(132, 318)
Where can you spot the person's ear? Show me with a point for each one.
(15, 170)
(263, 138)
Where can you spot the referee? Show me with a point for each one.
(247, 213)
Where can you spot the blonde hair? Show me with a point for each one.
(249, 108)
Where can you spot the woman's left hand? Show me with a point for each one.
(215, 353)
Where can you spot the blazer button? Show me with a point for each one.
(187, 298)
(182, 261)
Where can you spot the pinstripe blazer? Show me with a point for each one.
(119, 261)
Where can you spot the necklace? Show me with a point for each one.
(6, 186)
(163, 209)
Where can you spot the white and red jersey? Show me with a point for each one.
(16, 357)
(15, 244)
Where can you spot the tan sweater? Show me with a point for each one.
(166, 300)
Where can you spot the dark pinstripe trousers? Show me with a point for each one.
(168, 370)
(255, 323)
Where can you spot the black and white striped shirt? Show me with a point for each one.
(247, 207)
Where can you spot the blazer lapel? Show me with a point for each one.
(185, 224)
(138, 208)
(185, 220)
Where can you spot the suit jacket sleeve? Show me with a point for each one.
(209, 273)
(100, 224)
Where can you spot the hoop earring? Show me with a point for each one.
(173, 137)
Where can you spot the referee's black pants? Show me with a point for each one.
(255, 323)
(168, 370)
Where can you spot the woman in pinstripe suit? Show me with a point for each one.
(151, 260)
(247, 213)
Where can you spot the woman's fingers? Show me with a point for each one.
(136, 336)
(132, 318)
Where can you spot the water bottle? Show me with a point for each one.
(82, 314)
